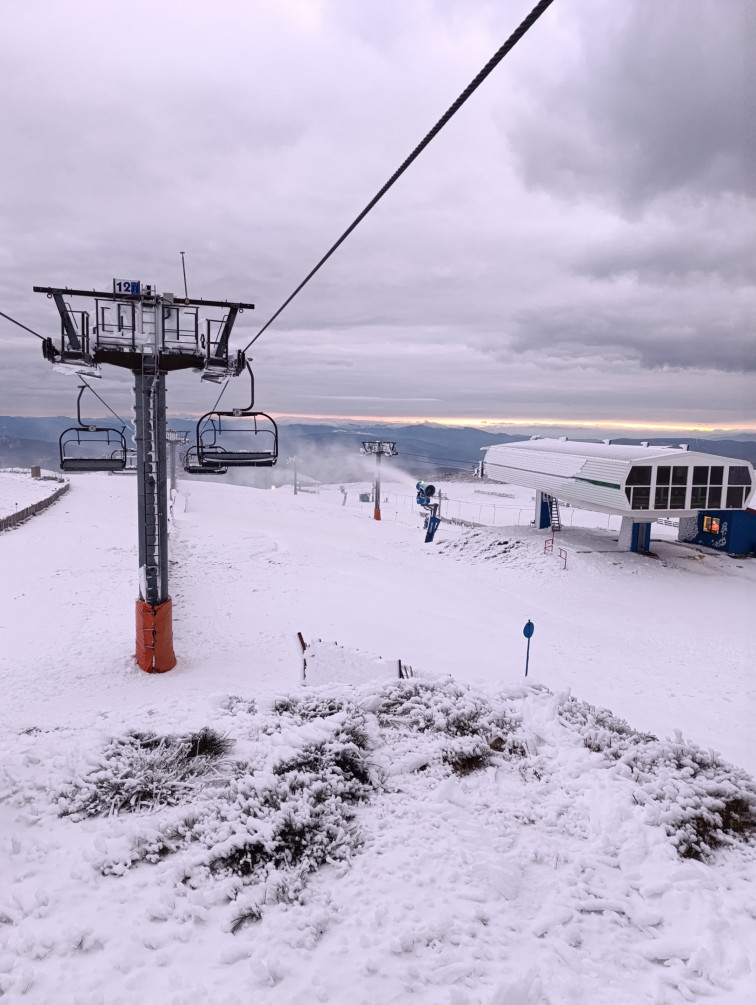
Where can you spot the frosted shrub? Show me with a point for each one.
(702, 802)
(442, 707)
(603, 732)
(445, 707)
(269, 823)
(303, 708)
(143, 771)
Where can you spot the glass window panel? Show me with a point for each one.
(734, 497)
(641, 498)
(663, 475)
(700, 476)
(715, 497)
(698, 497)
(739, 476)
(716, 476)
(677, 498)
(639, 476)
(680, 476)
(628, 493)
(661, 499)
(706, 525)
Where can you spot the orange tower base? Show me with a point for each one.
(376, 514)
(154, 636)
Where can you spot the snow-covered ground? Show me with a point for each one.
(19, 490)
(540, 868)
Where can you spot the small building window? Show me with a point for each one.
(700, 476)
(661, 498)
(710, 525)
(716, 476)
(735, 497)
(677, 497)
(739, 476)
(641, 497)
(680, 476)
(663, 475)
(698, 497)
(639, 475)
(715, 496)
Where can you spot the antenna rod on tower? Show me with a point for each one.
(186, 290)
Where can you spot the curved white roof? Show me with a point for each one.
(606, 448)
(597, 475)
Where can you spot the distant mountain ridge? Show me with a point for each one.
(327, 449)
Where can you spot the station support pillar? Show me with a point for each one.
(154, 622)
(635, 535)
(542, 511)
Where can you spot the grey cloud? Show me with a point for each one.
(250, 135)
(609, 334)
(655, 99)
(677, 259)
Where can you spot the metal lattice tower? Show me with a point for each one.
(380, 448)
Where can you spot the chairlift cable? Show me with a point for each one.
(490, 65)
(30, 330)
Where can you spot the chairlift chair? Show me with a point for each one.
(91, 448)
(242, 437)
(192, 465)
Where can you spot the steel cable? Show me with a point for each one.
(513, 39)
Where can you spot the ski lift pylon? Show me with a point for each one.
(239, 438)
(91, 448)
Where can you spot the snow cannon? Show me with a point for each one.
(425, 495)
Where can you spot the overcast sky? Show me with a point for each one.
(578, 243)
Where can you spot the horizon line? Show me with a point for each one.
(692, 427)
(483, 422)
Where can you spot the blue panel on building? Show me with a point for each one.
(732, 531)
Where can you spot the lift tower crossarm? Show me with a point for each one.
(109, 295)
(221, 349)
(65, 317)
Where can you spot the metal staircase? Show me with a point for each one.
(556, 523)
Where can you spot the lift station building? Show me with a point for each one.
(637, 482)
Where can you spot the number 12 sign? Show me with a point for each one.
(129, 286)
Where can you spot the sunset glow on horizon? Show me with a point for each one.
(624, 424)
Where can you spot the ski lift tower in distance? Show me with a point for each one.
(381, 448)
(174, 437)
(151, 334)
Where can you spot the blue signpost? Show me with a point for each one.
(528, 633)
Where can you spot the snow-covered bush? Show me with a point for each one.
(311, 705)
(271, 822)
(143, 771)
(702, 801)
(602, 730)
(445, 707)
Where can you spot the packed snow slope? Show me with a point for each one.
(466, 837)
